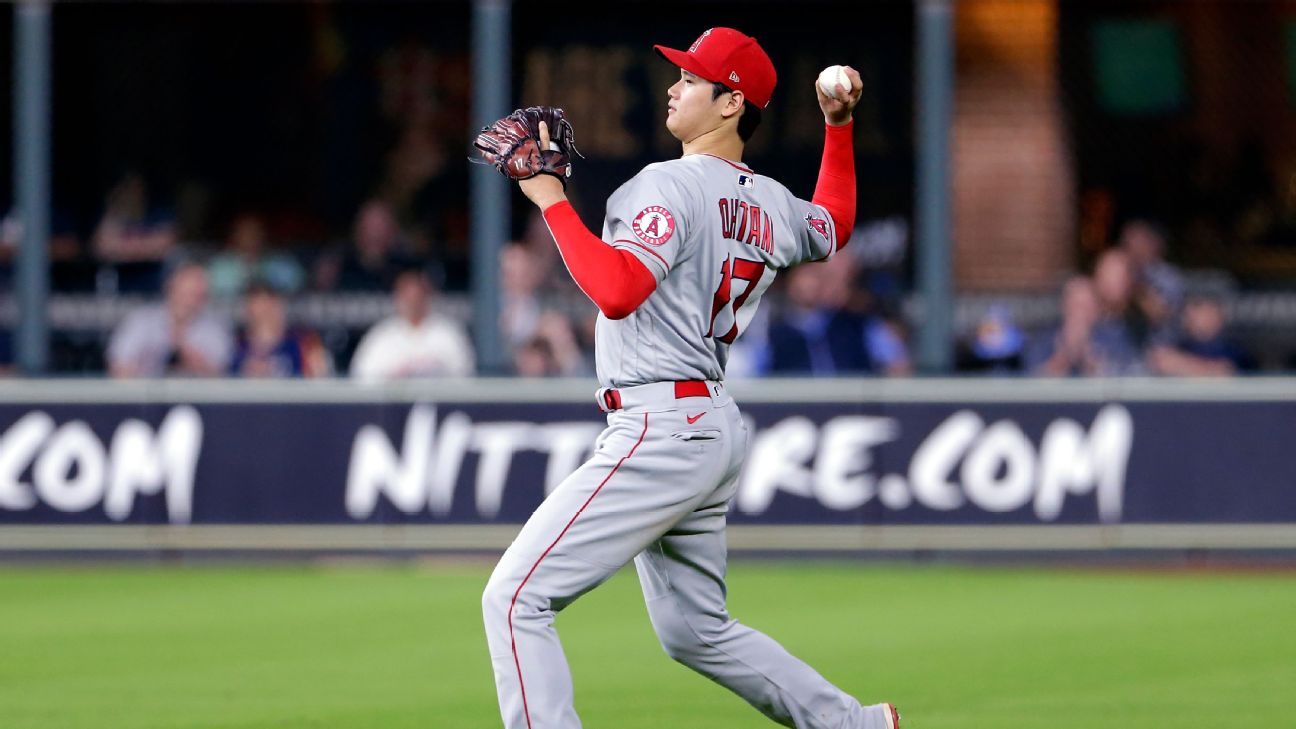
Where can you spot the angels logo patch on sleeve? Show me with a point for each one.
(818, 225)
(654, 225)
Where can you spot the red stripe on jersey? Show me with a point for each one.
(731, 163)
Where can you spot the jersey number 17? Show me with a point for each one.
(733, 268)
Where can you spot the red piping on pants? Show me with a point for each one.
(513, 641)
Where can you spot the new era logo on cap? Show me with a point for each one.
(724, 55)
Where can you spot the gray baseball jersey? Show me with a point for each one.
(714, 234)
(658, 486)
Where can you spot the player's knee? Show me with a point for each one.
(680, 646)
(504, 600)
(678, 636)
(496, 601)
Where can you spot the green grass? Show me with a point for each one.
(391, 647)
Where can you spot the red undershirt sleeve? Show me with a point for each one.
(835, 190)
(615, 280)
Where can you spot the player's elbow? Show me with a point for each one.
(617, 309)
(624, 302)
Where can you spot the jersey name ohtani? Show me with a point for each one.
(746, 224)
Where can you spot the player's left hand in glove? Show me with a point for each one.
(534, 141)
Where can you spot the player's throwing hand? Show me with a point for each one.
(836, 111)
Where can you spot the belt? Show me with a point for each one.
(609, 398)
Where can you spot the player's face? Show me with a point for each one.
(691, 111)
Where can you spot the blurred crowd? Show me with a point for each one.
(360, 195)
(225, 309)
(1132, 314)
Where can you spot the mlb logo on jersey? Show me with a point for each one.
(654, 225)
(818, 225)
(747, 181)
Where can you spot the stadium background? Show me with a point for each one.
(1000, 545)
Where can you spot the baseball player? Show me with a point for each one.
(688, 247)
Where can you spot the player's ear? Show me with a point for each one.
(734, 105)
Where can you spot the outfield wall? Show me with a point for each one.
(835, 465)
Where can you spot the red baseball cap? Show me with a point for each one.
(726, 56)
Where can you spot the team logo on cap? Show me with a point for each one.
(818, 225)
(654, 225)
(733, 76)
(693, 48)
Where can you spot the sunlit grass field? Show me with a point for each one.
(130, 647)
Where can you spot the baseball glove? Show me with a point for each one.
(513, 144)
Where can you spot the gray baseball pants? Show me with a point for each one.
(656, 490)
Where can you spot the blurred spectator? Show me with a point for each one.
(555, 283)
(1158, 286)
(177, 337)
(414, 342)
(886, 340)
(1066, 350)
(586, 325)
(1121, 329)
(552, 352)
(374, 258)
(534, 359)
(1089, 341)
(1202, 348)
(268, 348)
(750, 353)
(245, 259)
(521, 273)
(133, 237)
(811, 336)
(819, 332)
(544, 342)
(879, 249)
(885, 334)
(994, 346)
(539, 241)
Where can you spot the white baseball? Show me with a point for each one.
(830, 77)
